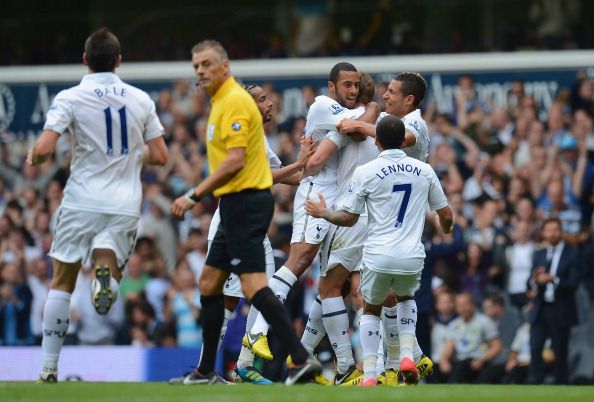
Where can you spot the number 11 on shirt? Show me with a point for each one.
(123, 130)
(407, 188)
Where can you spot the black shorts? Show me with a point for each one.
(237, 246)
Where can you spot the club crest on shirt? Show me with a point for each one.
(210, 132)
(235, 126)
(335, 108)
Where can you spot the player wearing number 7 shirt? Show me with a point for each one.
(114, 129)
(396, 190)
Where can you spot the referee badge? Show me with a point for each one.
(210, 132)
(235, 126)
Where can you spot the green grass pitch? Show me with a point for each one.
(162, 392)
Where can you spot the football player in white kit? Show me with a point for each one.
(402, 99)
(290, 174)
(320, 176)
(396, 190)
(341, 255)
(114, 129)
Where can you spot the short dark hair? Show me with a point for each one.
(390, 132)
(211, 44)
(342, 66)
(496, 299)
(102, 48)
(250, 86)
(366, 89)
(552, 219)
(413, 84)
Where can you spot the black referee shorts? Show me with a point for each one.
(237, 246)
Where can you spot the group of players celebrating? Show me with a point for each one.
(363, 194)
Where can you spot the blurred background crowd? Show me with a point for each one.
(504, 169)
(155, 31)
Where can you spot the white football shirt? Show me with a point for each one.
(110, 121)
(396, 190)
(322, 115)
(416, 125)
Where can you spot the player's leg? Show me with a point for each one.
(336, 321)
(405, 287)
(56, 317)
(104, 287)
(70, 246)
(374, 287)
(300, 258)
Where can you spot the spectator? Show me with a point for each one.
(556, 273)
(507, 321)
(15, 307)
(135, 279)
(518, 258)
(473, 342)
(445, 309)
(38, 280)
(183, 307)
(518, 359)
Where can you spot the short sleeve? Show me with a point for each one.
(235, 123)
(437, 199)
(356, 193)
(323, 115)
(273, 159)
(491, 331)
(412, 127)
(153, 127)
(59, 115)
(340, 140)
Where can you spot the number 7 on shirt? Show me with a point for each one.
(407, 188)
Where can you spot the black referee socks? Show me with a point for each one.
(211, 319)
(277, 317)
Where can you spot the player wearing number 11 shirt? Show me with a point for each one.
(114, 129)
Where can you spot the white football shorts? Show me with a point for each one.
(344, 246)
(376, 285)
(78, 233)
(307, 229)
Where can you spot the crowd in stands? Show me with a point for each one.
(299, 28)
(504, 169)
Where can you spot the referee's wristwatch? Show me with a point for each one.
(192, 197)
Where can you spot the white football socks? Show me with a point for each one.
(380, 368)
(246, 357)
(369, 329)
(390, 324)
(56, 318)
(336, 322)
(407, 322)
(314, 329)
(280, 283)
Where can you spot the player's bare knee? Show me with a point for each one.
(402, 298)
(390, 300)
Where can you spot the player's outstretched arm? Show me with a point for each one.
(339, 218)
(155, 152)
(290, 174)
(352, 127)
(43, 148)
(446, 219)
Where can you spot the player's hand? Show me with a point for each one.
(316, 209)
(180, 206)
(347, 126)
(306, 151)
